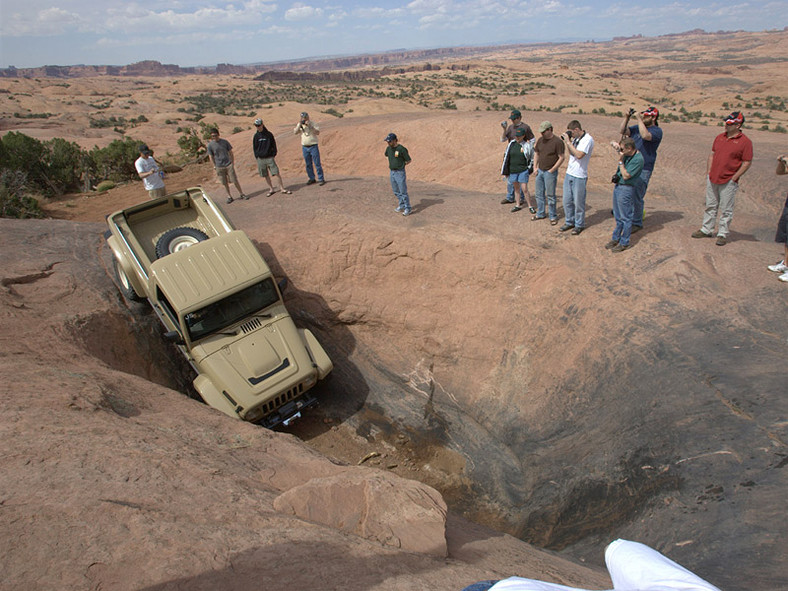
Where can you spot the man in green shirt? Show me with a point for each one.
(398, 158)
(627, 180)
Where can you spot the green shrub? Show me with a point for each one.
(13, 201)
(116, 161)
(105, 186)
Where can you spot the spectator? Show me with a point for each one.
(782, 227)
(580, 145)
(309, 132)
(221, 153)
(647, 135)
(150, 171)
(508, 135)
(398, 158)
(264, 146)
(731, 156)
(627, 180)
(516, 163)
(549, 154)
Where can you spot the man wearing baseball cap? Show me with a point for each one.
(509, 135)
(731, 156)
(647, 135)
(549, 154)
(398, 158)
(150, 171)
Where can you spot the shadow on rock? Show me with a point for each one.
(345, 390)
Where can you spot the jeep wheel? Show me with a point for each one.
(125, 286)
(178, 239)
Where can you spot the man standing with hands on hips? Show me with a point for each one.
(398, 158)
(731, 156)
(647, 135)
(309, 132)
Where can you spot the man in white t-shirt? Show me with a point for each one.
(150, 172)
(580, 145)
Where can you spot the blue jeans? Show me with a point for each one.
(400, 187)
(312, 154)
(637, 217)
(624, 197)
(575, 201)
(545, 186)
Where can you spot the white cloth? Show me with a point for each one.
(632, 567)
(153, 181)
(578, 167)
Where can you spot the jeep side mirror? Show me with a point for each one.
(174, 337)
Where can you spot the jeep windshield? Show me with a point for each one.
(226, 312)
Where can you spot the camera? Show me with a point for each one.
(616, 177)
(568, 133)
(631, 112)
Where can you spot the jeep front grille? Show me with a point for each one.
(253, 324)
(283, 398)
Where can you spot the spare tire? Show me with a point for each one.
(178, 239)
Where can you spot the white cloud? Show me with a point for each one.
(302, 12)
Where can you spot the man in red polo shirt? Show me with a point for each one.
(731, 156)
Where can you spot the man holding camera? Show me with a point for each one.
(580, 145)
(627, 180)
(509, 135)
(647, 135)
(731, 156)
(309, 132)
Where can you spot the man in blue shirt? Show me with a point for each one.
(647, 135)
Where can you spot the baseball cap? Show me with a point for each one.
(650, 112)
(258, 122)
(304, 114)
(544, 126)
(144, 149)
(515, 114)
(390, 137)
(737, 117)
(519, 132)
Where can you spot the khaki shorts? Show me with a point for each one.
(226, 174)
(156, 193)
(267, 165)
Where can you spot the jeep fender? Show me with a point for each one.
(316, 352)
(128, 270)
(213, 397)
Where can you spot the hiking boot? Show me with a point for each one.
(507, 202)
(229, 200)
(311, 182)
(516, 208)
(636, 229)
(565, 227)
(611, 244)
(780, 267)
(721, 241)
(701, 234)
(620, 247)
(576, 231)
(783, 277)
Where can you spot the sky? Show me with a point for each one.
(208, 32)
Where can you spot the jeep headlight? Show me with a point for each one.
(310, 381)
(254, 414)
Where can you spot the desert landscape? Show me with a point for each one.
(526, 392)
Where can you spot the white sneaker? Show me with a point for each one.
(780, 267)
(783, 277)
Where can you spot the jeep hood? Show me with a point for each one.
(261, 361)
